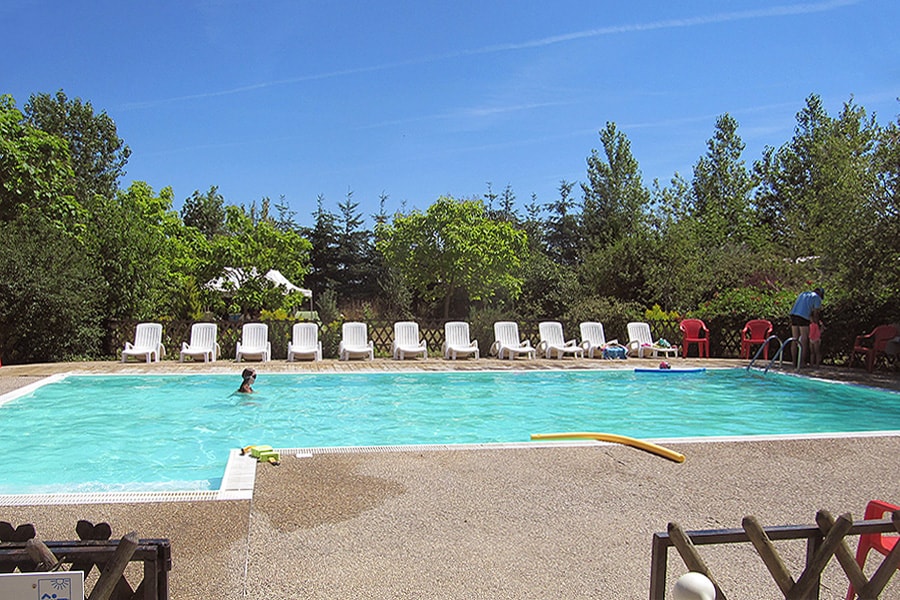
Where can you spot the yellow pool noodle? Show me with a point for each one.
(617, 439)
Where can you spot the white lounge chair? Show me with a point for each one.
(305, 342)
(355, 342)
(254, 343)
(592, 338)
(456, 340)
(553, 341)
(147, 343)
(203, 343)
(640, 342)
(507, 342)
(406, 341)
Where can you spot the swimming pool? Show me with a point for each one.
(174, 432)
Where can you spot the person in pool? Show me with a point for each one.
(249, 376)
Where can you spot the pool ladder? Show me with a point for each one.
(779, 354)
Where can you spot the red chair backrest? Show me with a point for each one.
(759, 329)
(692, 327)
(881, 335)
(877, 509)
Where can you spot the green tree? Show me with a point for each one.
(50, 295)
(454, 246)
(98, 154)
(550, 279)
(820, 193)
(354, 252)
(887, 157)
(709, 238)
(192, 264)
(547, 290)
(254, 244)
(563, 229)
(886, 204)
(35, 173)
(323, 236)
(677, 275)
(285, 220)
(507, 210)
(381, 216)
(615, 218)
(130, 242)
(390, 290)
(490, 197)
(721, 189)
(620, 269)
(205, 212)
(533, 225)
(615, 199)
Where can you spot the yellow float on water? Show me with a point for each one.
(617, 439)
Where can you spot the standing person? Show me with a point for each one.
(815, 342)
(805, 310)
(249, 377)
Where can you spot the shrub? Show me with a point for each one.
(481, 326)
(330, 336)
(739, 305)
(326, 305)
(279, 314)
(612, 312)
(50, 296)
(658, 314)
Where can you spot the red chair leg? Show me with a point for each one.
(880, 542)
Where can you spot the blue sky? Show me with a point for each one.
(416, 100)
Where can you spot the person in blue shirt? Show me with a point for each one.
(805, 311)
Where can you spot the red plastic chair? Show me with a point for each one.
(880, 542)
(755, 332)
(694, 331)
(873, 345)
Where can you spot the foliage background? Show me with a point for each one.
(729, 242)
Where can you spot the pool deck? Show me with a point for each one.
(573, 520)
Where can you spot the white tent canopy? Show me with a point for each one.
(281, 281)
(233, 277)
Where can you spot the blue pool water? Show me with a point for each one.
(135, 433)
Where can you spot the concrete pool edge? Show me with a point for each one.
(237, 484)
(240, 472)
(27, 389)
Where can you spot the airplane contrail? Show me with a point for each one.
(744, 15)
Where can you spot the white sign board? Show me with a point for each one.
(58, 585)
